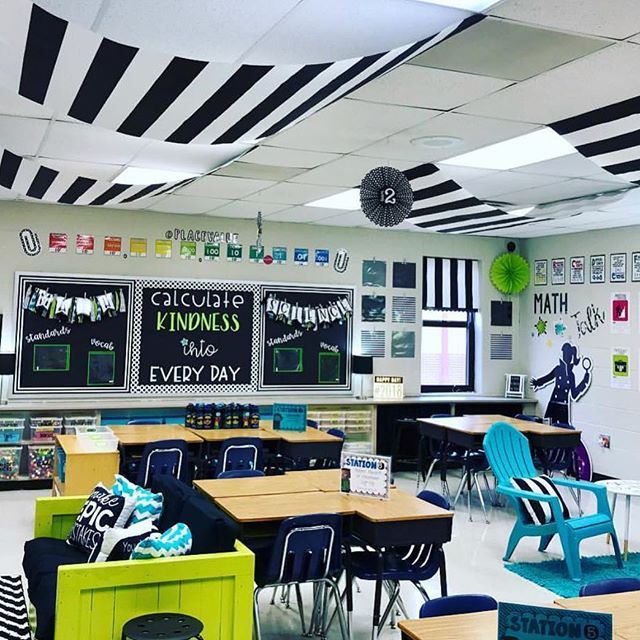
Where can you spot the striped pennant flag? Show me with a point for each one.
(76, 72)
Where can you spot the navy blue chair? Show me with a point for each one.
(144, 421)
(455, 605)
(429, 449)
(528, 417)
(307, 549)
(403, 564)
(241, 473)
(603, 587)
(164, 457)
(238, 454)
(313, 424)
(338, 433)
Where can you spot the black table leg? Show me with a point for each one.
(443, 575)
(349, 588)
(378, 594)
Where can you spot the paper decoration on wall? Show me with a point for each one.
(403, 309)
(341, 261)
(501, 346)
(372, 343)
(259, 231)
(57, 241)
(576, 270)
(112, 246)
(403, 344)
(234, 252)
(279, 255)
(309, 317)
(188, 250)
(138, 247)
(212, 251)
(620, 368)
(256, 253)
(566, 389)
(374, 273)
(588, 320)
(620, 313)
(374, 308)
(386, 196)
(597, 273)
(164, 248)
(30, 242)
(84, 244)
(510, 273)
(404, 275)
(540, 327)
(322, 257)
(635, 266)
(501, 313)
(551, 303)
(540, 273)
(73, 309)
(235, 102)
(301, 257)
(559, 328)
(558, 271)
(618, 267)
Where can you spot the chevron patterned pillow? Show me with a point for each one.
(148, 504)
(175, 541)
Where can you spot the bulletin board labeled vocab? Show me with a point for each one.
(73, 334)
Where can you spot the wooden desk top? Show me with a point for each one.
(140, 434)
(310, 435)
(399, 506)
(218, 435)
(70, 446)
(479, 424)
(467, 626)
(268, 485)
(320, 479)
(625, 608)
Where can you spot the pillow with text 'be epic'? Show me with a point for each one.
(103, 510)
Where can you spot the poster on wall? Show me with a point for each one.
(84, 244)
(163, 248)
(557, 271)
(188, 250)
(374, 273)
(576, 270)
(540, 273)
(57, 243)
(597, 271)
(256, 253)
(635, 266)
(138, 247)
(212, 251)
(322, 257)
(618, 267)
(112, 245)
(403, 344)
(620, 368)
(620, 311)
(374, 308)
(404, 275)
(279, 255)
(301, 256)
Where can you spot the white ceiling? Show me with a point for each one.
(530, 63)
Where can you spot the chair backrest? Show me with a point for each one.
(306, 548)
(528, 417)
(338, 433)
(241, 473)
(145, 421)
(453, 605)
(313, 424)
(237, 454)
(508, 453)
(168, 457)
(617, 585)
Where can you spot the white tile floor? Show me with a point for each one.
(473, 561)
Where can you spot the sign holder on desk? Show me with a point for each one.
(365, 475)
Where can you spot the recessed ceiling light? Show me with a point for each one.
(537, 146)
(436, 142)
(140, 175)
(520, 212)
(468, 5)
(346, 200)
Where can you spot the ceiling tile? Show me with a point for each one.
(84, 12)
(345, 219)
(14, 105)
(281, 157)
(22, 135)
(187, 204)
(75, 141)
(591, 82)
(572, 166)
(240, 169)
(223, 187)
(293, 193)
(595, 17)
(348, 125)
(472, 131)
(465, 174)
(86, 169)
(348, 171)
(503, 49)
(301, 214)
(246, 209)
(505, 182)
(417, 86)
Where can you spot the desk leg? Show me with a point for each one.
(613, 513)
(349, 588)
(378, 594)
(627, 514)
(443, 575)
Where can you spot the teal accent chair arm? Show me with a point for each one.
(530, 495)
(599, 491)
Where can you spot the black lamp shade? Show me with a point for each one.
(362, 364)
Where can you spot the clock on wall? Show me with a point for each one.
(386, 197)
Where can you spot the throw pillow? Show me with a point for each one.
(175, 541)
(148, 505)
(118, 543)
(102, 510)
(539, 512)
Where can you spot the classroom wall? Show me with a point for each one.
(360, 243)
(604, 409)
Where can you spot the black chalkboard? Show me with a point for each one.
(296, 359)
(54, 355)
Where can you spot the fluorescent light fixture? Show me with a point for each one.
(346, 200)
(467, 5)
(520, 212)
(140, 175)
(537, 146)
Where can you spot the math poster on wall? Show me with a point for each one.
(620, 312)
(620, 368)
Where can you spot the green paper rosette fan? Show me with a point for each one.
(510, 273)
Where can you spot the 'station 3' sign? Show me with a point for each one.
(365, 475)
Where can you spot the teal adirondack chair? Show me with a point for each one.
(509, 456)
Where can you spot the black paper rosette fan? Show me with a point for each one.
(386, 197)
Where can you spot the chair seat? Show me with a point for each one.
(364, 566)
(157, 626)
(591, 520)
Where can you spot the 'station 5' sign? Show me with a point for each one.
(365, 475)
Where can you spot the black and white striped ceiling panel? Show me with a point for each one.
(34, 180)
(139, 92)
(609, 136)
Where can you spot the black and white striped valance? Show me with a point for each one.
(610, 136)
(450, 284)
(77, 72)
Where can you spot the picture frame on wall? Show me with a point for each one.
(635, 266)
(539, 273)
(617, 267)
(597, 271)
(576, 270)
(558, 271)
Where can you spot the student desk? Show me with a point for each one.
(467, 626)
(320, 479)
(139, 435)
(297, 482)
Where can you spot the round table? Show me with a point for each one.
(628, 489)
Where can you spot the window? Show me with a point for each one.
(448, 348)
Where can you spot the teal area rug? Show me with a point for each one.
(552, 574)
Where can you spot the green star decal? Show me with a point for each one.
(541, 326)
